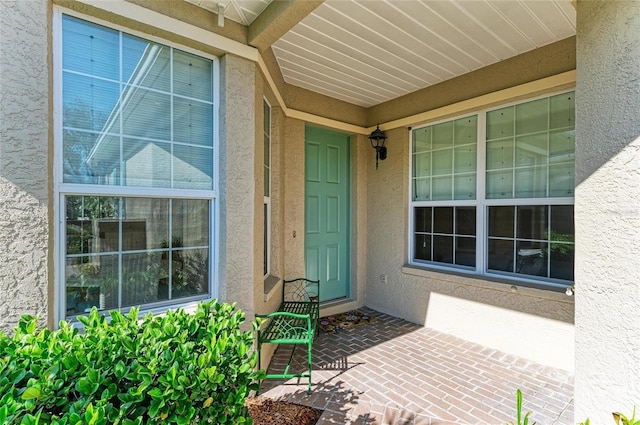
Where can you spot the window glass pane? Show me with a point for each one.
(500, 184)
(192, 122)
(561, 180)
(141, 276)
(464, 159)
(192, 76)
(533, 222)
(532, 116)
(562, 111)
(154, 267)
(442, 135)
(465, 187)
(562, 236)
(267, 117)
(422, 139)
(466, 251)
(92, 207)
(421, 189)
(146, 225)
(134, 100)
(500, 256)
(442, 188)
(500, 154)
(532, 150)
(422, 164)
(562, 261)
(562, 223)
(443, 220)
(91, 281)
(442, 162)
(189, 273)
(443, 249)
(266, 240)
(422, 247)
(500, 123)
(531, 182)
(267, 151)
(501, 221)
(145, 63)
(80, 236)
(90, 158)
(146, 164)
(146, 114)
(466, 221)
(192, 167)
(90, 103)
(422, 219)
(465, 130)
(90, 49)
(531, 258)
(562, 146)
(190, 223)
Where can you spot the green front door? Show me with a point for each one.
(327, 253)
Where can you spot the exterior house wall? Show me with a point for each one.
(25, 157)
(532, 323)
(607, 208)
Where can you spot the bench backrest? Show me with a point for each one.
(301, 290)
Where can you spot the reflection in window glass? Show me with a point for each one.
(543, 245)
(124, 252)
(531, 149)
(124, 122)
(444, 160)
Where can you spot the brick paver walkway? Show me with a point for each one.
(394, 372)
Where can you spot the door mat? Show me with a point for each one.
(344, 321)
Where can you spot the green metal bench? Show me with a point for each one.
(294, 323)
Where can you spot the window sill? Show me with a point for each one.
(489, 283)
(271, 286)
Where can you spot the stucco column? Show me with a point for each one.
(607, 210)
(24, 161)
(294, 199)
(237, 183)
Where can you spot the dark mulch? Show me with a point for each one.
(266, 411)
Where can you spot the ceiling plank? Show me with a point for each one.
(277, 19)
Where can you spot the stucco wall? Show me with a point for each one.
(294, 198)
(237, 183)
(531, 323)
(24, 160)
(607, 210)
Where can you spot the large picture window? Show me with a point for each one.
(492, 193)
(136, 179)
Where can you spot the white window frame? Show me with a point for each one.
(267, 197)
(61, 189)
(482, 204)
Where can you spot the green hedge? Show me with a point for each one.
(179, 368)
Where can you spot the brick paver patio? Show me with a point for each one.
(396, 372)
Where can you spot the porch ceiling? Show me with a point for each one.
(367, 52)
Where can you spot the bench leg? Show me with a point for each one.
(309, 365)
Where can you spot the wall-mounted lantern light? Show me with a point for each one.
(377, 138)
